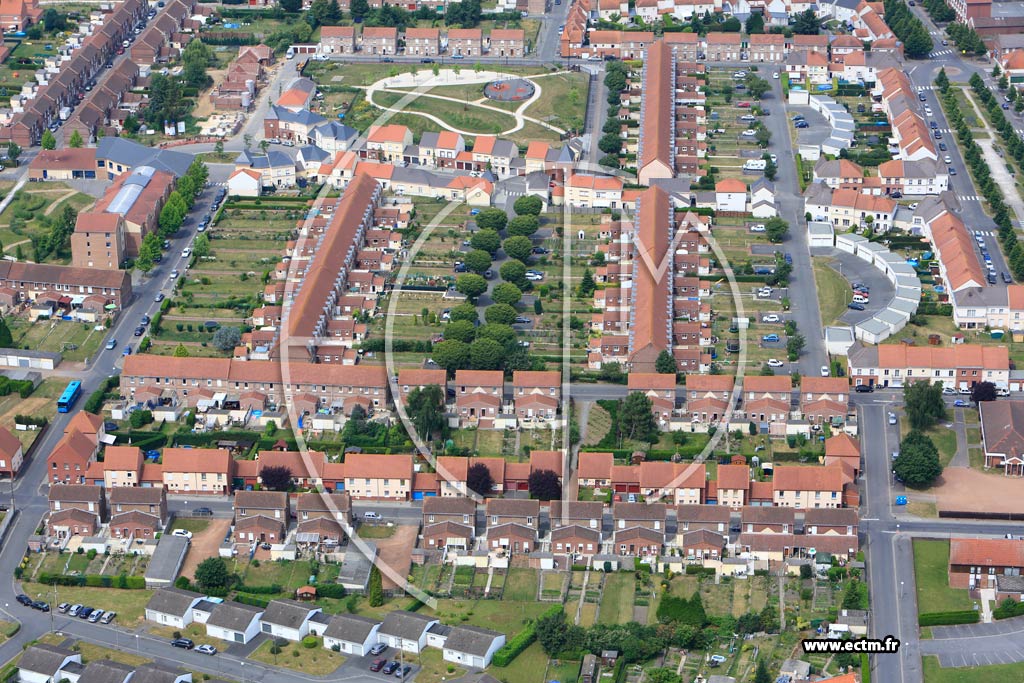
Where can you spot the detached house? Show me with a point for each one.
(351, 634)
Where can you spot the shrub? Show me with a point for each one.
(309, 642)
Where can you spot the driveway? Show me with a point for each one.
(396, 552)
(205, 544)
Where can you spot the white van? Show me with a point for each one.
(754, 165)
(860, 299)
(290, 53)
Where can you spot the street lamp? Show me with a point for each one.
(138, 649)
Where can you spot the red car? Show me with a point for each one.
(744, 105)
(378, 664)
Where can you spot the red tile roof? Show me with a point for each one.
(809, 478)
(986, 552)
(373, 466)
(217, 460)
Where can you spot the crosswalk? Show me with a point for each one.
(940, 53)
(922, 88)
(969, 198)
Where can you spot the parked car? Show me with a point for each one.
(377, 664)
(892, 418)
(41, 606)
(108, 617)
(770, 338)
(775, 363)
(95, 616)
(206, 649)
(111, 344)
(522, 320)
(183, 643)
(960, 403)
(864, 388)
(63, 607)
(825, 371)
(25, 600)
(948, 390)
(770, 318)
(85, 612)
(390, 668)
(202, 512)
(758, 228)
(73, 612)
(855, 306)
(403, 672)
(159, 297)
(184, 533)
(140, 330)
(1006, 278)
(378, 649)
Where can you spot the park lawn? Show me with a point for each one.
(617, 599)
(998, 673)
(931, 562)
(194, 525)
(130, 605)
(563, 99)
(520, 585)
(468, 118)
(314, 661)
(833, 290)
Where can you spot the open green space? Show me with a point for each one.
(931, 566)
(130, 605)
(833, 291)
(467, 118)
(520, 585)
(31, 215)
(314, 661)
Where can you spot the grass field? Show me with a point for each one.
(530, 665)
(504, 615)
(833, 291)
(520, 585)
(92, 653)
(76, 341)
(29, 216)
(130, 605)
(999, 673)
(931, 561)
(315, 661)
(617, 599)
(194, 525)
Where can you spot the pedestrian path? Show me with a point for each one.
(969, 198)
(939, 53)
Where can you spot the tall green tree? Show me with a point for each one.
(148, 251)
(48, 141)
(807, 23)
(918, 463)
(665, 364)
(637, 418)
(923, 404)
(518, 247)
(212, 573)
(587, 285)
(76, 140)
(425, 407)
(6, 340)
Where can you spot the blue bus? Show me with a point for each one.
(69, 397)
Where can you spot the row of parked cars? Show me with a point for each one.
(81, 611)
(187, 644)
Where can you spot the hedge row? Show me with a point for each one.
(951, 618)
(272, 589)
(1008, 609)
(251, 600)
(522, 640)
(94, 581)
(147, 441)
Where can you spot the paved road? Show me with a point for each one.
(788, 200)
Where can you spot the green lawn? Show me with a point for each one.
(617, 599)
(520, 585)
(931, 562)
(945, 441)
(130, 605)
(528, 667)
(506, 616)
(562, 101)
(833, 291)
(465, 117)
(376, 531)
(194, 525)
(1000, 673)
(315, 661)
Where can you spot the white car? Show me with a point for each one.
(534, 277)
(824, 371)
(948, 159)
(184, 533)
(758, 228)
(774, 158)
(186, 252)
(775, 75)
(775, 363)
(764, 293)
(913, 206)
(749, 133)
(770, 318)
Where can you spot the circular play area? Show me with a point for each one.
(511, 90)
